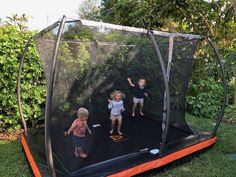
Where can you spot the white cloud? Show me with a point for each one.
(43, 13)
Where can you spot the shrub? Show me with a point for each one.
(230, 113)
(12, 44)
(204, 98)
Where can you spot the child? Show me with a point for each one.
(139, 92)
(79, 127)
(117, 106)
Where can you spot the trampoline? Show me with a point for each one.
(84, 62)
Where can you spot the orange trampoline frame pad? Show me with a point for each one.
(29, 156)
(165, 160)
(137, 169)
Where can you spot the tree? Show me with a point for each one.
(89, 10)
(19, 21)
(233, 2)
(201, 17)
(213, 18)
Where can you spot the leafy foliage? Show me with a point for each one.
(205, 98)
(230, 113)
(19, 21)
(12, 44)
(209, 18)
(89, 10)
(187, 15)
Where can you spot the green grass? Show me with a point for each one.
(12, 160)
(213, 163)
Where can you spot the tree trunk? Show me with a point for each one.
(234, 84)
(233, 3)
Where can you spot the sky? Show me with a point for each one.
(42, 13)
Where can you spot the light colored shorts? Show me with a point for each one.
(113, 117)
(138, 100)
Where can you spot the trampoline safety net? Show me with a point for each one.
(94, 61)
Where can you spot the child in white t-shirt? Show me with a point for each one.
(117, 106)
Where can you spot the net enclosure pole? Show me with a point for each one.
(163, 70)
(22, 59)
(135, 30)
(224, 86)
(170, 55)
(48, 145)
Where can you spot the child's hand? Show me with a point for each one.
(66, 133)
(90, 132)
(146, 95)
(123, 110)
(130, 82)
(110, 101)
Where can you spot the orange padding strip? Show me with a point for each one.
(164, 160)
(30, 157)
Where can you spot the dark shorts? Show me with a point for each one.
(78, 141)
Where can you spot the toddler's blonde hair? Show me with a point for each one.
(141, 79)
(113, 94)
(82, 112)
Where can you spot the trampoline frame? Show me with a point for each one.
(165, 74)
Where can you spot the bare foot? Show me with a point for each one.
(111, 132)
(76, 154)
(141, 113)
(119, 132)
(83, 155)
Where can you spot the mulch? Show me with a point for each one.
(11, 136)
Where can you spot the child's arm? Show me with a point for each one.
(130, 82)
(69, 131)
(122, 109)
(90, 132)
(110, 104)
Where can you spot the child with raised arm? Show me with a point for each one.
(78, 130)
(139, 92)
(117, 106)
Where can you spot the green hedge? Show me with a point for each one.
(12, 43)
(205, 97)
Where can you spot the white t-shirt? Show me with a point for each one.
(116, 107)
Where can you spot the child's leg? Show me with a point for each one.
(141, 108)
(119, 126)
(113, 121)
(76, 152)
(81, 152)
(133, 110)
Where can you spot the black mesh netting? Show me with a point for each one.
(92, 62)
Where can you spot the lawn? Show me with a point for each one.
(213, 163)
(12, 160)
